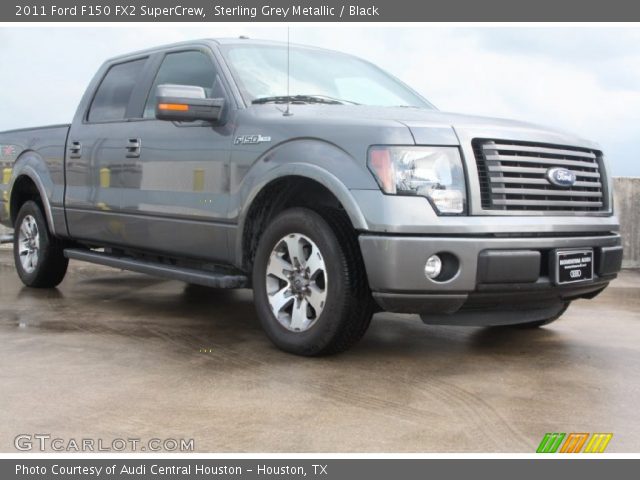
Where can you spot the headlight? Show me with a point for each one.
(432, 172)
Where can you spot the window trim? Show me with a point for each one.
(154, 58)
(135, 109)
(145, 66)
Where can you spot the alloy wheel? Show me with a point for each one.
(29, 244)
(296, 282)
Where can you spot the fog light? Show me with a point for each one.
(433, 267)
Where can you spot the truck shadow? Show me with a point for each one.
(193, 317)
(407, 336)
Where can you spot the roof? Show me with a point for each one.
(215, 41)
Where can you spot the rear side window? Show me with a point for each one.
(185, 68)
(113, 95)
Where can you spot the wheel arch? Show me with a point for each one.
(278, 190)
(30, 180)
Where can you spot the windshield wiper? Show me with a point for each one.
(341, 100)
(301, 99)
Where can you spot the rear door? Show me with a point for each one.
(97, 168)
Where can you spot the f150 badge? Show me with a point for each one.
(250, 139)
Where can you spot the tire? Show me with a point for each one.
(542, 323)
(38, 256)
(329, 306)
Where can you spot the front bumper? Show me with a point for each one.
(493, 273)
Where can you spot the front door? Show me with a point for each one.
(179, 200)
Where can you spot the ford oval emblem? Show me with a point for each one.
(561, 177)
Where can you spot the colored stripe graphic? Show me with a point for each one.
(574, 443)
(550, 443)
(598, 443)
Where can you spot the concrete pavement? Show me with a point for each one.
(114, 355)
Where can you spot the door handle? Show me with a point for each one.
(133, 148)
(75, 150)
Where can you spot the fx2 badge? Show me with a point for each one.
(250, 139)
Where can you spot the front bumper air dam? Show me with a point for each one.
(493, 281)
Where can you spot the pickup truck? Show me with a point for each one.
(326, 185)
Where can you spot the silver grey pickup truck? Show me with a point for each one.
(326, 185)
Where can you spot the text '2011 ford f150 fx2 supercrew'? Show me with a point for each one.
(325, 184)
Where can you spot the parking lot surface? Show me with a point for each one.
(111, 354)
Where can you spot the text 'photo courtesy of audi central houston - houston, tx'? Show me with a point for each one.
(326, 185)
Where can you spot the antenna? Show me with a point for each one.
(287, 112)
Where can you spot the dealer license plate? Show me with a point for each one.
(574, 266)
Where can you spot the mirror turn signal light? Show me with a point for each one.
(179, 107)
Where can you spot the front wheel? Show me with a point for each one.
(309, 283)
(38, 256)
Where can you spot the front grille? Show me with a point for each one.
(512, 177)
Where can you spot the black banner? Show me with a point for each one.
(318, 11)
(248, 469)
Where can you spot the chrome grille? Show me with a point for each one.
(513, 177)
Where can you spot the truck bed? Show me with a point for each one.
(48, 143)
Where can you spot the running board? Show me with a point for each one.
(6, 238)
(189, 275)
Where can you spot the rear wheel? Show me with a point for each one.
(309, 283)
(38, 256)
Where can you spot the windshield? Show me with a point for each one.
(261, 73)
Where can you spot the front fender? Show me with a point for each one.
(316, 160)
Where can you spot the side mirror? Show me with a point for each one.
(186, 103)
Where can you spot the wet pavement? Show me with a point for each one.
(112, 355)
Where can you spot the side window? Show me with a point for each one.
(113, 95)
(185, 68)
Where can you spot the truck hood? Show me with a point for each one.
(434, 126)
